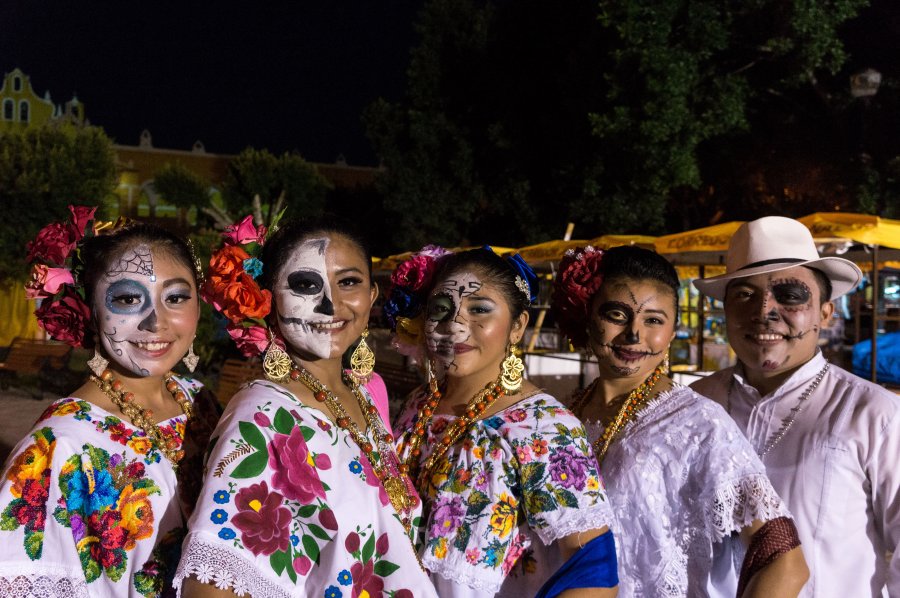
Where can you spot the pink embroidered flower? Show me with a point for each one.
(365, 579)
(327, 519)
(516, 415)
(244, 232)
(302, 565)
(472, 556)
(516, 549)
(46, 282)
(262, 518)
(294, 476)
(372, 480)
(65, 319)
(250, 341)
(351, 543)
(523, 453)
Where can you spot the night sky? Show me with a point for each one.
(277, 75)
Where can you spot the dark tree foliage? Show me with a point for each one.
(521, 116)
(42, 171)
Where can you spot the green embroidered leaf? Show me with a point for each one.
(539, 501)
(99, 457)
(90, 567)
(148, 484)
(34, 543)
(252, 466)
(307, 432)
(565, 498)
(306, 511)
(311, 548)
(252, 435)
(462, 537)
(477, 502)
(7, 522)
(385, 568)
(532, 474)
(280, 560)
(319, 532)
(291, 573)
(368, 549)
(62, 516)
(284, 421)
(115, 572)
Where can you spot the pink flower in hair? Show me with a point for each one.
(244, 232)
(65, 319)
(46, 282)
(250, 340)
(81, 215)
(580, 277)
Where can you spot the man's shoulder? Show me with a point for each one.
(714, 385)
(869, 394)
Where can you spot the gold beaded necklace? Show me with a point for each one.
(142, 417)
(636, 400)
(384, 461)
(474, 408)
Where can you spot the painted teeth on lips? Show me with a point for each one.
(152, 346)
(327, 325)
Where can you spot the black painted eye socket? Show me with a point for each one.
(439, 308)
(791, 293)
(305, 282)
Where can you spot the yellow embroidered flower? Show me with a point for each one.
(592, 483)
(478, 452)
(66, 409)
(441, 473)
(503, 515)
(440, 551)
(140, 444)
(137, 514)
(30, 464)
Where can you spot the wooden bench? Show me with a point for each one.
(45, 359)
(233, 374)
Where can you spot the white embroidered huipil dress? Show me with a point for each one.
(290, 506)
(682, 479)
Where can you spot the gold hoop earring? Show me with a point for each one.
(190, 360)
(97, 363)
(511, 372)
(362, 360)
(276, 362)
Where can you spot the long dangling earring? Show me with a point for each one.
(430, 375)
(665, 363)
(97, 363)
(190, 360)
(276, 362)
(362, 360)
(511, 372)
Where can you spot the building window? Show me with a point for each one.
(17, 83)
(23, 111)
(9, 109)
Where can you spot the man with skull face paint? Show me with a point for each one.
(829, 439)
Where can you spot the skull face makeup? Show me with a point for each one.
(322, 297)
(146, 311)
(773, 320)
(631, 325)
(468, 326)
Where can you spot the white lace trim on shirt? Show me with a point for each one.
(738, 503)
(41, 585)
(215, 565)
(463, 578)
(582, 521)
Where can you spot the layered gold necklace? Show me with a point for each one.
(382, 457)
(636, 400)
(142, 417)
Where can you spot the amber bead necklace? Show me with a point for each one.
(142, 417)
(476, 406)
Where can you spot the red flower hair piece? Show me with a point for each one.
(578, 280)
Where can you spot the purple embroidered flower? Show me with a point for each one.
(447, 516)
(79, 529)
(568, 468)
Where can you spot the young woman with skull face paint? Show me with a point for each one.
(93, 500)
(509, 483)
(685, 485)
(304, 494)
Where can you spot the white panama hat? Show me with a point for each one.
(777, 243)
